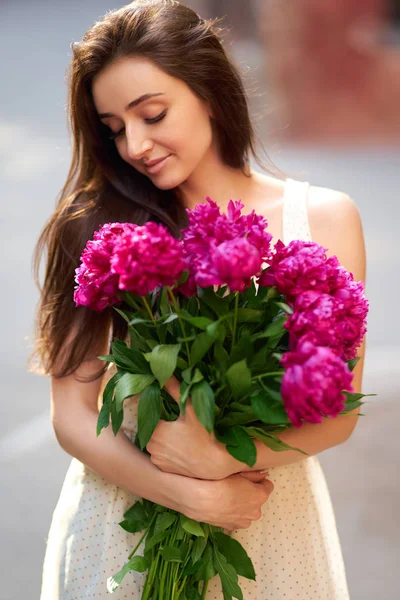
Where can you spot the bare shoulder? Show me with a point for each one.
(328, 208)
(335, 223)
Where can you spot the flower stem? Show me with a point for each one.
(235, 319)
(130, 300)
(176, 307)
(204, 591)
(144, 535)
(149, 311)
(272, 374)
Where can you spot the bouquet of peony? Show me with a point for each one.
(261, 340)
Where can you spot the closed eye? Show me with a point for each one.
(160, 117)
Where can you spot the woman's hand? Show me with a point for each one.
(186, 448)
(232, 503)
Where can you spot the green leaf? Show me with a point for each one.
(200, 322)
(236, 555)
(203, 402)
(163, 361)
(239, 378)
(243, 349)
(170, 319)
(192, 306)
(275, 395)
(181, 363)
(275, 328)
(352, 363)
(271, 441)
(228, 575)
(187, 375)
(164, 520)
(217, 329)
(258, 361)
(239, 444)
(137, 563)
(198, 376)
(132, 526)
(200, 347)
(137, 512)
(108, 357)
(237, 418)
(130, 385)
(207, 570)
(355, 397)
(198, 548)
(349, 406)
(124, 314)
(156, 539)
(209, 297)
(192, 594)
(108, 393)
(271, 413)
(192, 527)
(171, 554)
(248, 315)
(149, 412)
(117, 417)
(164, 302)
(285, 307)
(220, 355)
(184, 390)
(129, 359)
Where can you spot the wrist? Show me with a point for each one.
(178, 492)
(228, 464)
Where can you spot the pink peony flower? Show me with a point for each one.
(235, 262)
(313, 383)
(188, 288)
(146, 258)
(326, 321)
(97, 286)
(355, 306)
(208, 229)
(267, 278)
(301, 266)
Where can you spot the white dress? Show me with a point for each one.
(294, 547)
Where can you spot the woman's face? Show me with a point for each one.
(175, 123)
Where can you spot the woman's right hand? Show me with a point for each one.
(233, 502)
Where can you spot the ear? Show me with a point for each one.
(210, 110)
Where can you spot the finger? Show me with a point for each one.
(268, 486)
(254, 476)
(173, 387)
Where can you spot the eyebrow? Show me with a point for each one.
(135, 102)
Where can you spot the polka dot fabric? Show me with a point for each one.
(294, 547)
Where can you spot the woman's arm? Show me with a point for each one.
(74, 413)
(335, 223)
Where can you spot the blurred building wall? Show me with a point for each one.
(334, 67)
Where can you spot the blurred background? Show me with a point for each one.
(324, 83)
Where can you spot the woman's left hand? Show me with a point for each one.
(186, 448)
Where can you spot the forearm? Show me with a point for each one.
(116, 459)
(311, 438)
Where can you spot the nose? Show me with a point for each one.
(137, 145)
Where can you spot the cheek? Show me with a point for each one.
(193, 138)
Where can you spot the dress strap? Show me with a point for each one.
(295, 225)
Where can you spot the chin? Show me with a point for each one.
(168, 182)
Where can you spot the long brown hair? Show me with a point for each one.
(101, 187)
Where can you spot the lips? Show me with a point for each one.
(157, 165)
(155, 161)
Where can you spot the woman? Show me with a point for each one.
(160, 120)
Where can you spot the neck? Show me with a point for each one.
(219, 182)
